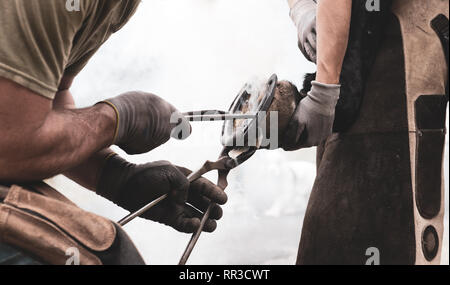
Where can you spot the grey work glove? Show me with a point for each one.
(312, 122)
(303, 14)
(133, 186)
(145, 121)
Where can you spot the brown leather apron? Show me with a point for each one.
(426, 78)
(44, 223)
(380, 184)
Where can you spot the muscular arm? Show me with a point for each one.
(87, 173)
(38, 141)
(333, 29)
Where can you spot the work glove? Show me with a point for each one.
(312, 122)
(145, 121)
(133, 186)
(303, 14)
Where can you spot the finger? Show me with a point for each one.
(310, 52)
(179, 184)
(189, 221)
(290, 136)
(202, 203)
(295, 144)
(210, 226)
(187, 225)
(216, 212)
(312, 40)
(304, 139)
(204, 187)
(314, 58)
(199, 188)
(302, 49)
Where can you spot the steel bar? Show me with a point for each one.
(195, 237)
(141, 211)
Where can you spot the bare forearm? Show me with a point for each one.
(333, 28)
(88, 172)
(66, 139)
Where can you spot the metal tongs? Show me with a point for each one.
(230, 157)
(223, 165)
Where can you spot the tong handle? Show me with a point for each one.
(222, 183)
(208, 166)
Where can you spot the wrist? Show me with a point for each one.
(328, 74)
(110, 115)
(322, 98)
(113, 177)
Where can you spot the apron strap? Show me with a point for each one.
(440, 25)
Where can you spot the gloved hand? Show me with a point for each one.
(303, 14)
(312, 122)
(133, 186)
(145, 121)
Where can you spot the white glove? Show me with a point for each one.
(312, 122)
(303, 14)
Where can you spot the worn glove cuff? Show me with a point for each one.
(116, 131)
(122, 108)
(322, 98)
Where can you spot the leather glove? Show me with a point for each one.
(133, 186)
(145, 121)
(303, 14)
(312, 122)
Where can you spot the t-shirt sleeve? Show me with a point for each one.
(35, 42)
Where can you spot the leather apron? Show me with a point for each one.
(40, 223)
(380, 184)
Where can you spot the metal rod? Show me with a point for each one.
(141, 211)
(192, 177)
(195, 237)
(219, 117)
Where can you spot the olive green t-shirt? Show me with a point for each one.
(42, 40)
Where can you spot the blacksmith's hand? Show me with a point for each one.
(146, 121)
(133, 186)
(303, 14)
(312, 122)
